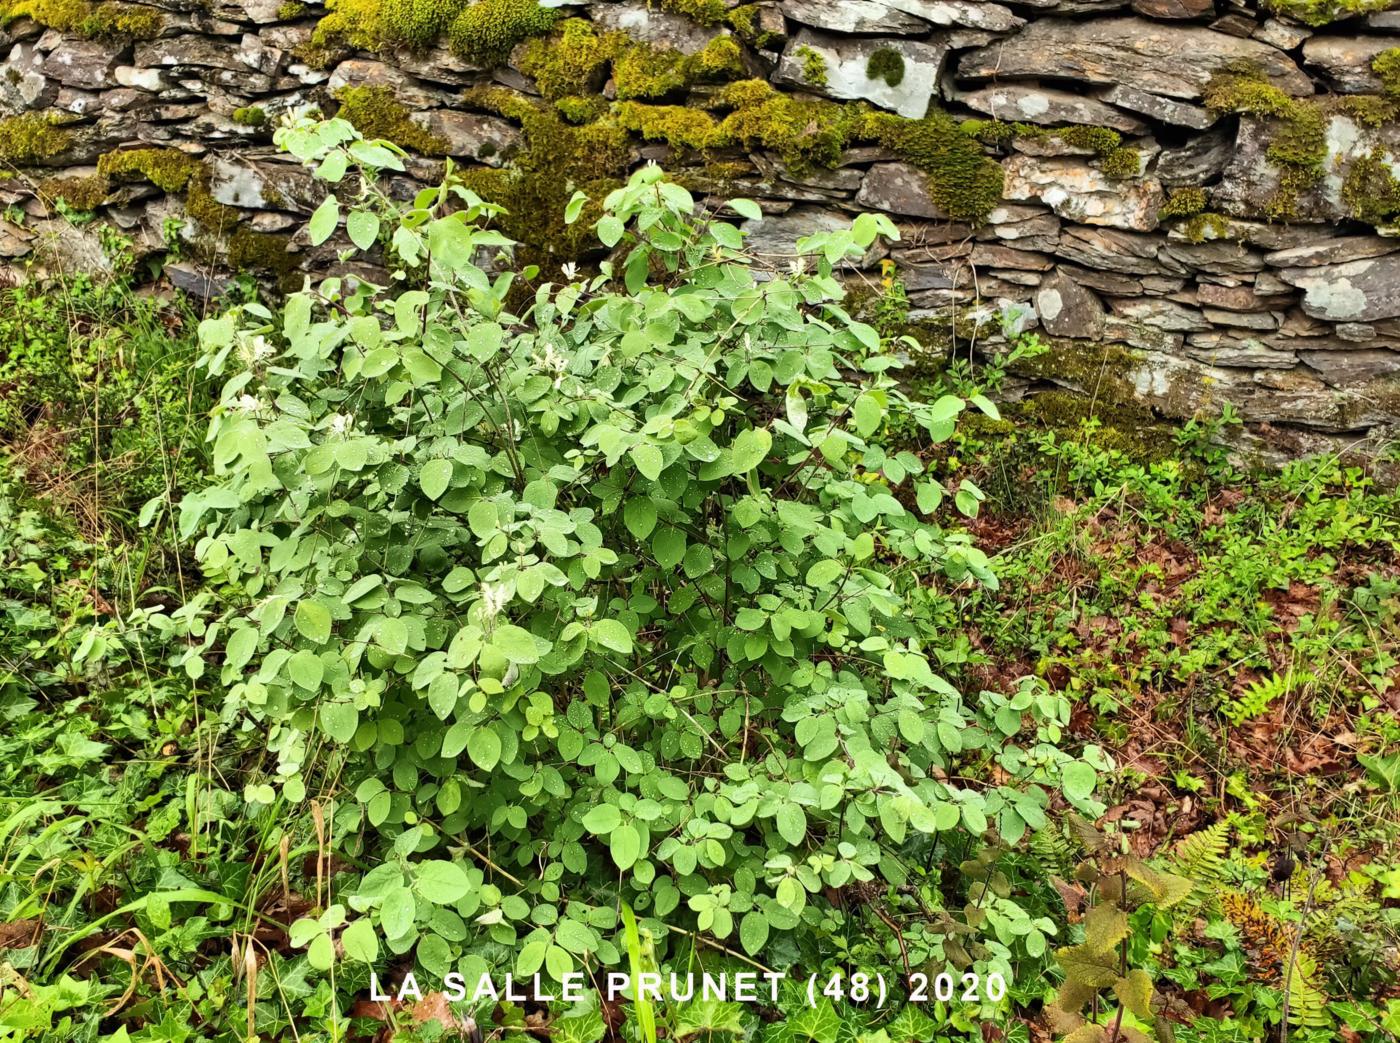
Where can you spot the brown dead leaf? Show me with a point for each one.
(20, 934)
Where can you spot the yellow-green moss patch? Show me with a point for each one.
(101, 21)
(1386, 65)
(1184, 202)
(813, 67)
(1298, 146)
(376, 113)
(32, 137)
(486, 31)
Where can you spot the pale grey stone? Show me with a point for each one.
(1067, 309)
(853, 16)
(845, 61)
(1167, 110)
(1081, 193)
(897, 188)
(1355, 291)
(1176, 61)
(1346, 60)
(1022, 103)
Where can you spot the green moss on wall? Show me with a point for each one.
(249, 116)
(1207, 226)
(260, 251)
(573, 60)
(486, 31)
(168, 169)
(962, 181)
(706, 12)
(376, 113)
(1098, 140)
(678, 125)
(885, 63)
(1121, 163)
(99, 21)
(78, 192)
(813, 67)
(1386, 65)
(1371, 193)
(1299, 144)
(649, 73)
(32, 137)
(1184, 202)
(555, 160)
(416, 23)
(1324, 12)
(173, 171)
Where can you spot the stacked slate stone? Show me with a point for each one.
(1198, 206)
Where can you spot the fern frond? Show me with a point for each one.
(1201, 856)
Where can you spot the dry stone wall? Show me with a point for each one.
(1193, 201)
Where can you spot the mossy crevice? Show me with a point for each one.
(249, 116)
(376, 113)
(1299, 146)
(1371, 191)
(79, 192)
(574, 61)
(1184, 202)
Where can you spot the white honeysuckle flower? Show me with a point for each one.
(570, 270)
(247, 404)
(552, 362)
(341, 423)
(493, 599)
(253, 350)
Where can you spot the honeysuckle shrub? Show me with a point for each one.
(607, 591)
